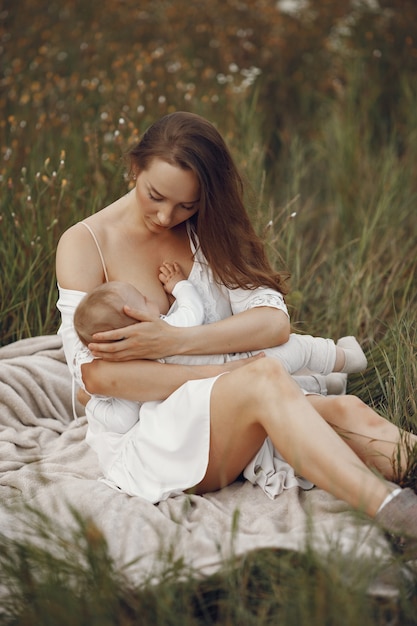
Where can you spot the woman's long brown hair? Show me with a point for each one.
(226, 236)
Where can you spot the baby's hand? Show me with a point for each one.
(170, 274)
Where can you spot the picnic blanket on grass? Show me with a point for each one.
(46, 464)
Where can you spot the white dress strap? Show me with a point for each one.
(98, 248)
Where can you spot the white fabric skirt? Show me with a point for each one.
(167, 451)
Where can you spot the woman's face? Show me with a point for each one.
(167, 195)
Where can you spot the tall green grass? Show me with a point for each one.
(326, 136)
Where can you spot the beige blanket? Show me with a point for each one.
(45, 462)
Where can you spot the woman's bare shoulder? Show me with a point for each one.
(72, 238)
(78, 265)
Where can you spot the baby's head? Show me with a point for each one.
(102, 309)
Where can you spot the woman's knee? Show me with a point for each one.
(349, 412)
(250, 387)
(267, 386)
(267, 375)
(267, 368)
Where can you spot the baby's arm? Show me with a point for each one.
(170, 274)
(188, 309)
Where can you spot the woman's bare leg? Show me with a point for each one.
(379, 443)
(261, 399)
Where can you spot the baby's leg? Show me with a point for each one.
(333, 384)
(320, 355)
(305, 352)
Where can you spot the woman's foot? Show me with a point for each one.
(399, 519)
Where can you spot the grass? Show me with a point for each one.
(70, 579)
(324, 128)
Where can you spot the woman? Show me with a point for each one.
(198, 429)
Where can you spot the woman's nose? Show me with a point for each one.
(164, 215)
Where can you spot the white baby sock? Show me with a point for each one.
(355, 359)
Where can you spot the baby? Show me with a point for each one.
(103, 309)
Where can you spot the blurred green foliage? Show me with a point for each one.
(74, 65)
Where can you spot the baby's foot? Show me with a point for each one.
(355, 359)
(336, 383)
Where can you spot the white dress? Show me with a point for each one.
(166, 451)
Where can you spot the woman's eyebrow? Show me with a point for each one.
(156, 192)
(152, 188)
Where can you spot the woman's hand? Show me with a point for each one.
(151, 338)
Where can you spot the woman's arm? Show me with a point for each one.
(254, 329)
(78, 270)
(147, 380)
